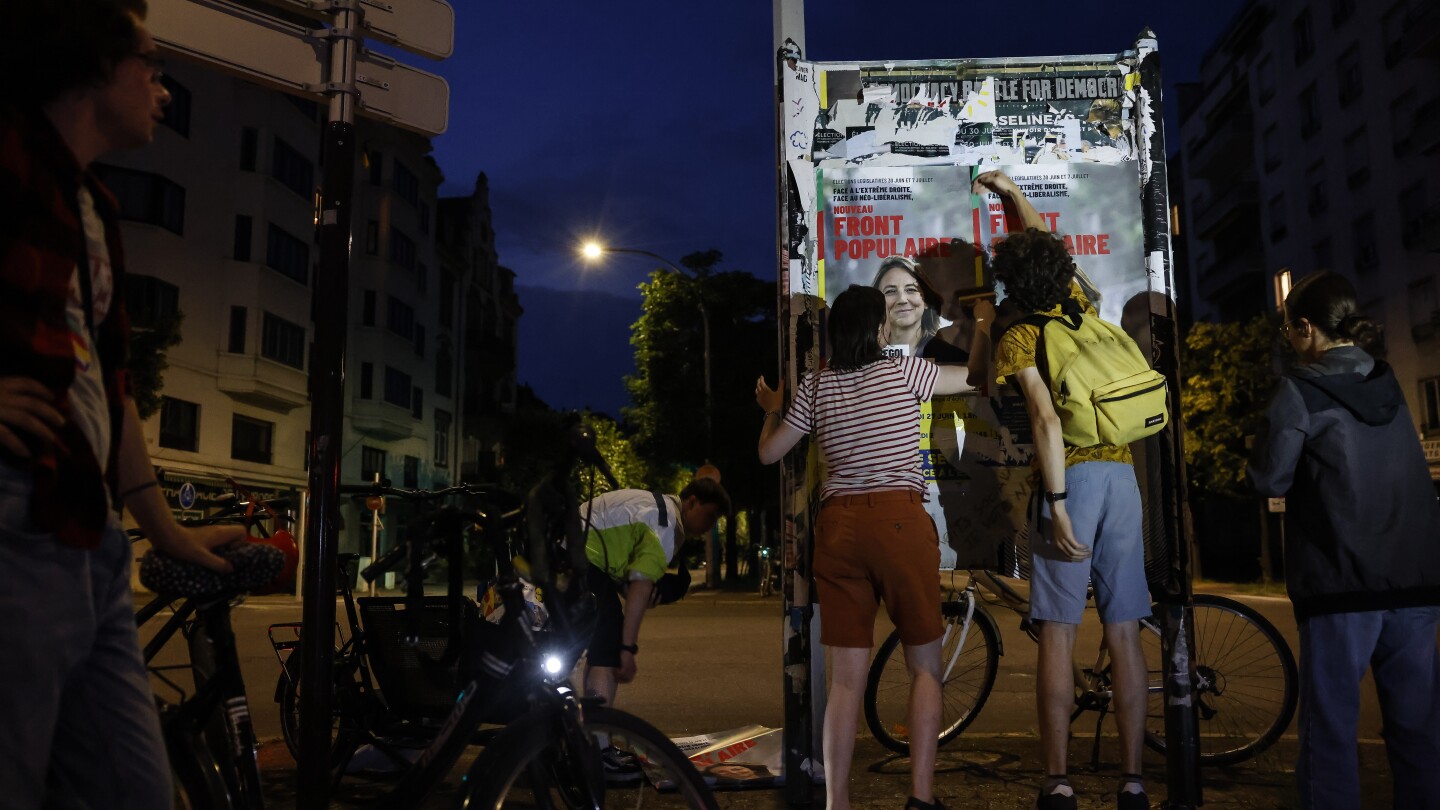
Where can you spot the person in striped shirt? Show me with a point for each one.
(873, 540)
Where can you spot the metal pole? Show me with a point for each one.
(327, 376)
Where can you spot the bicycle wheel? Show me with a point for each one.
(194, 773)
(967, 675)
(528, 765)
(342, 732)
(1244, 680)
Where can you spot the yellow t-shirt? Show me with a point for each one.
(1017, 351)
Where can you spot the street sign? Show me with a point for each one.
(426, 27)
(292, 58)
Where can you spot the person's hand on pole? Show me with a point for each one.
(27, 411)
(770, 400)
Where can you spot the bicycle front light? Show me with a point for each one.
(553, 665)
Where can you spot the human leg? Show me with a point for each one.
(108, 749)
(1335, 650)
(1130, 678)
(1406, 667)
(1055, 692)
(848, 667)
(923, 661)
(602, 656)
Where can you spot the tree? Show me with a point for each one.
(149, 343)
(1229, 376)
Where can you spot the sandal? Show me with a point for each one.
(1124, 800)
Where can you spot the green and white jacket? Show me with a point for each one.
(626, 539)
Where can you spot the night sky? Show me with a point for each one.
(650, 125)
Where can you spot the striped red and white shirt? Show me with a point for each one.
(868, 423)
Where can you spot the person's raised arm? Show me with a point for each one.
(1050, 447)
(952, 379)
(776, 437)
(1000, 183)
(141, 495)
(984, 315)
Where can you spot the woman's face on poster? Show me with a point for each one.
(903, 303)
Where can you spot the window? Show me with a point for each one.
(236, 342)
(1348, 76)
(1413, 213)
(412, 472)
(1304, 37)
(146, 197)
(1357, 152)
(422, 277)
(177, 112)
(1309, 112)
(307, 108)
(376, 162)
(287, 254)
(420, 339)
(447, 299)
(179, 424)
(1324, 254)
(1362, 236)
(244, 227)
(1392, 31)
(1272, 147)
(402, 249)
(372, 463)
(150, 301)
(1402, 114)
(282, 341)
(1277, 217)
(372, 237)
(292, 169)
(1316, 201)
(406, 184)
(424, 218)
(1265, 79)
(417, 402)
(397, 387)
(250, 439)
(1429, 404)
(249, 148)
(367, 381)
(442, 438)
(444, 365)
(367, 308)
(1423, 309)
(400, 318)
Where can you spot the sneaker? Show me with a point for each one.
(1131, 801)
(621, 767)
(1055, 801)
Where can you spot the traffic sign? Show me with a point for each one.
(292, 58)
(426, 27)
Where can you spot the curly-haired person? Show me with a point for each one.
(1090, 521)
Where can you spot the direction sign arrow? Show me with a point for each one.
(291, 58)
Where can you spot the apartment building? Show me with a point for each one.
(1313, 142)
(219, 226)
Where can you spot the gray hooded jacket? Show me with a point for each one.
(1362, 526)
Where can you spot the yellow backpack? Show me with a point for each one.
(1103, 389)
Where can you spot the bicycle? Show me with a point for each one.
(1243, 674)
(769, 572)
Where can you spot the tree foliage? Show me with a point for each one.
(667, 391)
(147, 363)
(1228, 379)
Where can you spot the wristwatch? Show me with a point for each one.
(1052, 497)
(633, 649)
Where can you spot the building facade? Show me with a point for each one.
(219, 219)
(1313, 142)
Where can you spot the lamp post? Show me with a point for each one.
(593, 251)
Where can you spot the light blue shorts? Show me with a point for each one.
(1103, 503)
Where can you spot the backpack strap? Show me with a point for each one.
(660, 505)
(1039, 320)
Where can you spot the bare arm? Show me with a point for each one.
(776, 437)
(980, 344)
(147, 505)
(1000, 183)
(1051, 449)
(637, 601)
(953, 380)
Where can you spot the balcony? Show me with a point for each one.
(1224, 149)
(1420, 230)
(1424, 136)
(262, 383)
(1240, 199)
(381, 420)
(1422, 32)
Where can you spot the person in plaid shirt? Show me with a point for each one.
(80, 726)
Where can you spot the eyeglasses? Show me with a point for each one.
(154, 63)
(1286, 327)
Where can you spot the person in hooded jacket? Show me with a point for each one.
(1362, 558)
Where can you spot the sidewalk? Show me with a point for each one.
(978, 772)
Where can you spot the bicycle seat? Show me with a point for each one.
(255, 564)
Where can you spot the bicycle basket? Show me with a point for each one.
(414, 688)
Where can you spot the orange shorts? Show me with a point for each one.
(879, 546)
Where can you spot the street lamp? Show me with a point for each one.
(594, 251)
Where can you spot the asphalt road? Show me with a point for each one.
(712, 662)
